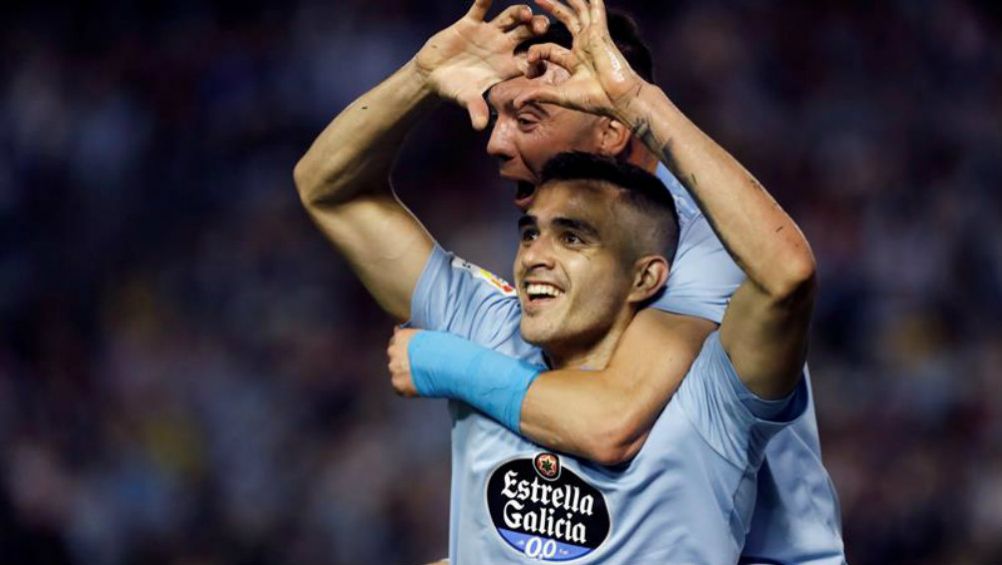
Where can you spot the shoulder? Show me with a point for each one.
(459, 297)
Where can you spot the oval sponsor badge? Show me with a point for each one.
(545, 511)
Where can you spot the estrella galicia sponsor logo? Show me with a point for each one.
(546, 511)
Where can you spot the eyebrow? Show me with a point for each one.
(577, 225)
(510, 104)
(535, 106)
(566, 223)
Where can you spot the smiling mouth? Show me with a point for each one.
(541, 293)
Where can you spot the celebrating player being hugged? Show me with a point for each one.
(597, 243)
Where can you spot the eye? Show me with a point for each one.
(526, 120)
(571, 238)
(529, 234)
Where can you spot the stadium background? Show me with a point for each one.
(189, 374)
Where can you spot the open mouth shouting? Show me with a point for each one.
(524, 191)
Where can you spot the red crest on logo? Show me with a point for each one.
(547, 465)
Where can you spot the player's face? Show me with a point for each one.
(524, 140)
(571, 269)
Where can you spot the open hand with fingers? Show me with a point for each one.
(465, 59)
(602, 81)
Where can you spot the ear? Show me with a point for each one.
(614, 137)
(650, 276)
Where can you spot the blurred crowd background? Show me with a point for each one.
(189, 374)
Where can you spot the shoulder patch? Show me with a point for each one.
(485, 275)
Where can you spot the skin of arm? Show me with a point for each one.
(343, 182)
(343, 179)
(607, 414)
(764, 330)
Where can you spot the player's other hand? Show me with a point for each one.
(601, 81)
(465, 59)
(399, 362)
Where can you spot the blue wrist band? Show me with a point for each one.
(446, 366)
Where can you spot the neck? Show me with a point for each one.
(593, 354)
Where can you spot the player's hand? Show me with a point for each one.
(465, 59)
(601, 81)
(400, 363)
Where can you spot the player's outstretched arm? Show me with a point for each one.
(343, 180)
(765, 327)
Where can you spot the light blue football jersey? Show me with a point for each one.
(687, 498)
(797, 518)
(703, 276)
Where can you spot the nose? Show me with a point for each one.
(536, 254)
(500, 144)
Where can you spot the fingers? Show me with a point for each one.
(512, 17)
(535, 26)
(540, 24)
(479, 113)
(532, 70)
(478, 11)
(598, 15)
(539, 95)
(554, 54)
(562, 12)
(522, 33)
(583, 12)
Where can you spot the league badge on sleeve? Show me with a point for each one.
(545, 511)
(485, 275)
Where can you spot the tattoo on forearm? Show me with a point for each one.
(665, 153)
(642, 130)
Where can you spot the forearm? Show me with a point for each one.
(759, 235)
(355, 152)
(602, 415)
(606, 415)
(591, 414)
(343, 181)
(765, 327)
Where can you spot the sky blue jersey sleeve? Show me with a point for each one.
(455, 296)
(703, 276)
(735, 422)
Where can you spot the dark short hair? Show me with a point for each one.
(625, 34)
(641, 190)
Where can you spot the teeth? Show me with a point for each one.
(537, 289)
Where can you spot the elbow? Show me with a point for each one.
(319, 191)
(607, 454)
(304, 178)
(618, 442)
(796, 278)
(611, 454)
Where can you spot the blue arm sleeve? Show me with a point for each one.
(446, 366)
